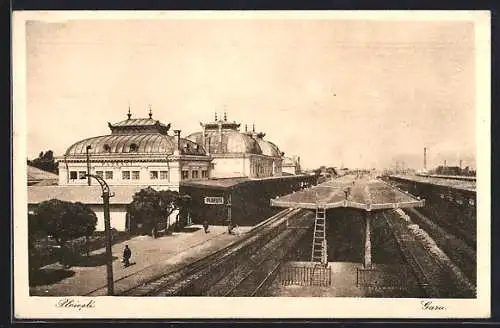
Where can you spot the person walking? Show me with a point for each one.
(205, 226)
(127, 253)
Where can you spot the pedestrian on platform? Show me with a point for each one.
(235, 230)
(127, 253)
(205, 226)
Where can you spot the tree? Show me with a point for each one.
(65, 220)
(45, 161)
(152, 208)
(84, 217)
(36, 230)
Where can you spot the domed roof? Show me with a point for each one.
(222, 137)
(268, 148)
(154, 143)
(232, 142)
(138, 136)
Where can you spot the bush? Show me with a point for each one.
(45, 253)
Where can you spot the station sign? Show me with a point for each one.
(214, 200)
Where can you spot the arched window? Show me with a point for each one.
(133, 147)
(106, 148)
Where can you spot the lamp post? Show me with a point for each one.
(107, 222)
(106, 194)
(185, 201)
(229, 218)
(88, 163)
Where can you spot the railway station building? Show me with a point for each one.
(144, 152)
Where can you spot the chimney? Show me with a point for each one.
(444, 163)
(425, 158)
(460, 164)
(177, 134)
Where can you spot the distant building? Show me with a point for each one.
(291, 165)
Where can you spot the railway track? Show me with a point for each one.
(468, 238)
(435, 277)
(455, 247)
(182, 281)
(258, 271)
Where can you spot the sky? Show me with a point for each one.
(357, 93)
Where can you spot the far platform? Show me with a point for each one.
(450, 182)
(361, 192)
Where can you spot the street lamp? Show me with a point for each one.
(107, 228)
(107, 222)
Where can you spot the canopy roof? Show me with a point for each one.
(364, 193)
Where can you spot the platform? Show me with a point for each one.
(450, 182)
(365, 193)
(389, 281)
(152, 258)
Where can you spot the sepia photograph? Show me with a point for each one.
(251, 164)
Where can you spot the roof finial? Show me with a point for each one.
(215, 116)
(225, 115)
(129, 115)
(150, 112)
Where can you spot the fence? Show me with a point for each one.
(378, 279)
(306, 275)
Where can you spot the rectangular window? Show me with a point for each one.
(81, 175)
(99, 173)
(109, 175)
(73, 175)
(164, 175)
(125, 175)
(185, 174)
(194, 174)
(204, 174)
(135, 175)
(153, 175)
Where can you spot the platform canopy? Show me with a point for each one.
(365, 193)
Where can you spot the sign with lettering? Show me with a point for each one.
(214, 200)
